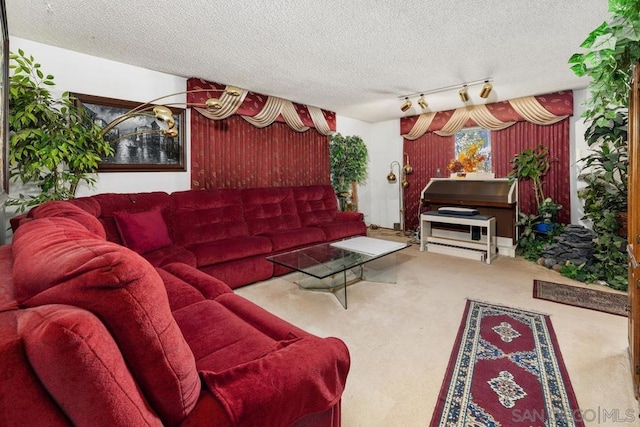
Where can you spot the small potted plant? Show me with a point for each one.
(547, 210)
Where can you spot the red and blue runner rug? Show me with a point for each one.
(505, 370)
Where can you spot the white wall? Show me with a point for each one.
(579, 149)
(76, 72)
(377, 199)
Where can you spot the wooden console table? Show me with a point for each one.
(462, 247)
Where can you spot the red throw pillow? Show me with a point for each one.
(143, 231)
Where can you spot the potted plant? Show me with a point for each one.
(348, 157)
(612, 49)
(52, 144)
(531, 164)
(547, 210)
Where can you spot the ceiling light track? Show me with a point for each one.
(485, 81)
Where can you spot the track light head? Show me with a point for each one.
(464, 95)
(423, 102)
(407, 104)
(486, 89)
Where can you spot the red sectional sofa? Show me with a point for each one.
(226, 233)
(95, 333)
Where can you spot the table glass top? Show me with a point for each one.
(326, 259)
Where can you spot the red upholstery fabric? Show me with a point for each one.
(115, 284)
(269, 209)
(250, 396)
(144, 231)
(64, 209)
(170, 254)
(235, 248)
(186, 286)
(23, 400)
(272, 212)
(239, 272)
(206, 215)
(342, 229)
(88, 376)
(316, 204)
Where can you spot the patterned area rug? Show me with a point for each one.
(593, 299)
(505, 370)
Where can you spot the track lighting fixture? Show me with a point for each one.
(464, 95)
(486, 89)
(407, 104)
(422, 102)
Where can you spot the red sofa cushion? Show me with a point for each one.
(88, 377)
(200, 216)
(143, 231)
(235, 248)
(316, 204)
(298, 376)
(186, 285)
(269, 209)
(65, 209)
(124, 291)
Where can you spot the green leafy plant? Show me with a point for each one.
(548, 209)
(348, 157)
(52, 144)
(531, 164)
(612, 50)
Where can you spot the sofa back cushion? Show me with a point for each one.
(65, 209)
(127, 203)
(88, 378)
(199, 216)
(316, 204)
(58, 262)
(269, 209)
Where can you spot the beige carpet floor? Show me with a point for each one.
(400, 336)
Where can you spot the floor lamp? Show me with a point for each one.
(392, 178)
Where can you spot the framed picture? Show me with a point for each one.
(138, 141)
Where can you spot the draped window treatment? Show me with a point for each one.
(232, 153)
(256, 140)
(431, 152)
(259, 110)
(541, 110)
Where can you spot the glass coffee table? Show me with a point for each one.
(333, 266)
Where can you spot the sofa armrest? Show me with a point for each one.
(349, 216)
(297, 378)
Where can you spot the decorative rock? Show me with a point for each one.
(574, 245)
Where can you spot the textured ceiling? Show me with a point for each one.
(352, 57)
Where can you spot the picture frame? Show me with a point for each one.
(139, 144)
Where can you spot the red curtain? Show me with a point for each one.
(232, 153)
(426, 154)
(510, 141)
(431, 152)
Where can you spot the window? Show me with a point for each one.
(467, 137)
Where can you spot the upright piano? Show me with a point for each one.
(495, 197)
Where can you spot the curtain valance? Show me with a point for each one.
(541, 110)
(261, 110)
